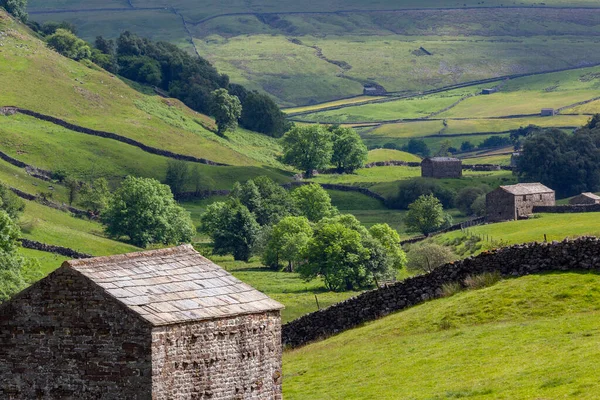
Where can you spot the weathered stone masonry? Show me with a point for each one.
(578, 255)
(158, 325)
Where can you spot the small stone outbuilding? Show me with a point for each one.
(441, 167)
(161, 324)
(517, 201)
(548, 112)
(585, 198)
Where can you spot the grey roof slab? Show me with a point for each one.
(173, 286)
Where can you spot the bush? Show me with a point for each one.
(409, 191)
(466, 197)
(69, 45)
(425, 257)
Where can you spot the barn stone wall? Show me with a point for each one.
(63, 338)
(230, 358)
(524, 204)
(441, 169)
(500, 206)
(579, 255)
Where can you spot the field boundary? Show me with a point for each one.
(514, 261)
(114, 136)
(49, 248)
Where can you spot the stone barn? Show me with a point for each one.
(441, 167)
(548, 112)
(517, 201)
(161, 324)
(585, 198)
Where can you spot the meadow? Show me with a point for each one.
(531, 337)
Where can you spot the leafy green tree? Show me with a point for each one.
(74, 186)
(287, 242)
(144, 211)
(16, 272)
(428, 256)
(467, 146)
(233, 228)
(226, 109)
(313, 202)
(349, 151)
(69, 45)
(18, 8)
(106, 46)
(417, 146)
(267, 200)
(337, 254)
(50, 27)
(95, 196)
(260, 113)
(141, 69)
(177, 176)
(390, 240)
(307, 148)
(426, 215)
(410, 190)
(467, 196)
(478, 206)
(444, 150)
(11, 203)
(105, 61)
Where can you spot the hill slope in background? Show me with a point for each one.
(532, 337)
(305, 53)
(36, 78)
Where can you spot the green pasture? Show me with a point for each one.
(48, 261)
(288, 288)
(343, 102)
(18, 178)
(533, 337)
(589, 108)
(500, 159)
(554, 226)
(369, 175)
(59, 228)
(52, 147)
(391, 155)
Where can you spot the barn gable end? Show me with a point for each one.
(161, 324)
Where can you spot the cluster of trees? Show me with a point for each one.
(18, 8)
(180, 176)
(191, 79)
(301, 231)
(16, 272)
(420, 148)
(316, 147)
(568, 163)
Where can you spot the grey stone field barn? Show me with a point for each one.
(161, 324)
(514, 202)
(441, 167)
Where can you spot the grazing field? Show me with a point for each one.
(501, 159)
(554, 226)
(525, 338)
(369, 175)
(391, 155)
(318, 107)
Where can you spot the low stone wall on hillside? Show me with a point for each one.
(61, 207)
(341, 188)
(582, 254)
(114, 136)
(48, 248)
(567, 209)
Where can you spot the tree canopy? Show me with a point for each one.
(18, 8)
(426, 215)
(313, 202)
(144, 211)
(69, 45)
(349, 151)
(226, 109)
(307, 148)
(287, 242)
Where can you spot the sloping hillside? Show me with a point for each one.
(36, 78)
(532, 337)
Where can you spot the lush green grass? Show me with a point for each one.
(317, 107)
(289, 289)
(370, 175)
(554, 226)
(59, 228)
(391, 155)
(49, 146)
(34, 77)
(18, 178)
(502, 159)
(48, 261)
(532, 337)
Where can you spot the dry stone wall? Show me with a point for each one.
(72, 344)
(225, 359)
(582, 254)
(567, 209)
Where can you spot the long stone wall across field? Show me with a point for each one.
(567, 208)
(114, 136)
(582, 254)
(48, 248)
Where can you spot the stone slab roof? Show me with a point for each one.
(172, 286)
(590, 195)
(442, 159)
(526, 188)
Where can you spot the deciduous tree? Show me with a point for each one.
(226, 109)
(313, 202)
(287, 242)
(426, 215)
(349, 151)
(307, 148)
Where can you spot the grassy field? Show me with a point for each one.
(317, 107)
(391, 155)
(554, 226)
(370, 175)
(495, 159)
(526, 338)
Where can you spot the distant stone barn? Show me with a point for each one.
(162, 324)
(517, 201)
(441, 167)
(585, 198)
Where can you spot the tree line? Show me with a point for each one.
(301, 231)
(191, 79)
